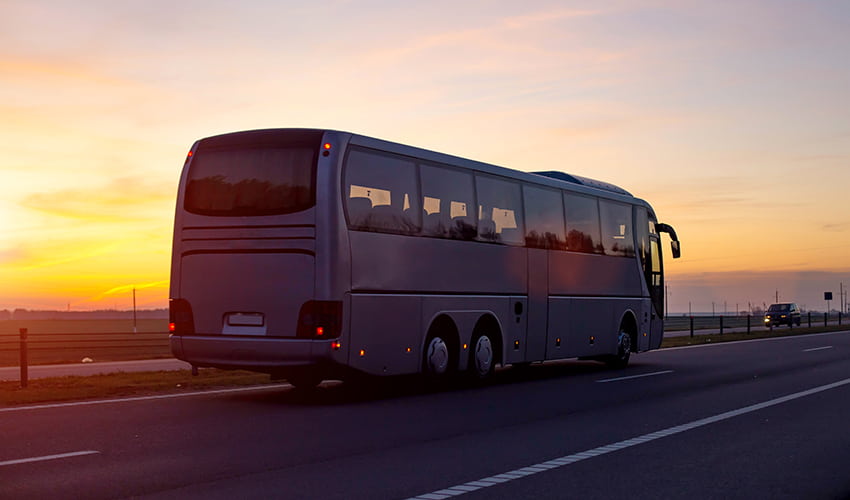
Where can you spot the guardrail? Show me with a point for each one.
(747, 323)
(44, 348)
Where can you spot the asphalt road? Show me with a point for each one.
(757, 419)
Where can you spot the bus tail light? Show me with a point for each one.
(320, 319)
(181, 321)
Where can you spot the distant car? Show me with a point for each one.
(782, 314)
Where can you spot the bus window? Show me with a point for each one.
(251, 181)
(499, 210)
(544, 218)
(447, 198)
(616, 219)
(582, 214)
(381, 193)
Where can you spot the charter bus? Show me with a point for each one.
(314, 254)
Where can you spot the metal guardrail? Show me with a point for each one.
(41, 348)
(749, 322)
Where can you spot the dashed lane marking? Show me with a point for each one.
(634, 376)
(49, 457)
(505, 477)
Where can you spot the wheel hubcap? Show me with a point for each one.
(483, 356)
(438, 356)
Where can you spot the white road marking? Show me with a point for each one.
(49, 457)
(634, 376)
(628, 443)
(145, 398)
(817, 348)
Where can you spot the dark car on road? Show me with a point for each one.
(782, 314)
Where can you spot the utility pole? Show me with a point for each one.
(777, 297)
(134, 309)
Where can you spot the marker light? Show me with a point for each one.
(326, 146)
(172, 327)
(335, 345)
(320, 331)
(362, 352)
(465, 347)
(409, 349)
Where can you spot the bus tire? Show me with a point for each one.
(624, 351)
(437, 357)
(482, 357)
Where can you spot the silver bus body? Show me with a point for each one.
(343, 267)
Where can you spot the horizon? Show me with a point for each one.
(736, 133)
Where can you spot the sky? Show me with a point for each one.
(731, 118)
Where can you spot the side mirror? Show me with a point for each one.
(677, 251)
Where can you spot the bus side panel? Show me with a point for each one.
(385, 334)
(586, 274)
(431, 265)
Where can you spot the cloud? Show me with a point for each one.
(121, 199)
(125, 289)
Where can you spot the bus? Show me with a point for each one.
(317, 254)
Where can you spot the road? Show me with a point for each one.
(757, 419)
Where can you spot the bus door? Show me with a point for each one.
(652, 309)
(655, 281)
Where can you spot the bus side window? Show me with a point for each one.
(582, 215)
(447, 198)
(381, 193)
(544, 218)
(616, 225)
(499, 210)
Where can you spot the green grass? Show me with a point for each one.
(123, 385)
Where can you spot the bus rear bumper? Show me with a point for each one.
(262, 354)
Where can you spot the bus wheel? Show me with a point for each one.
(624, 351)
(437, 356)
(482, 363)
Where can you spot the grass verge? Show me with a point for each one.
(123, 384)
(737, 336)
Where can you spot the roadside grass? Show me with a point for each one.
(700, 339)
(124, 384)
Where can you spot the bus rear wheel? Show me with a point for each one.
(436, 357)
(482, 359)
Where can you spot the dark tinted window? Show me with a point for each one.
(448, 203)
(381, 192)
(582, 214)
(251, 181)
(616, 224)
(499, 210)
(544, 218)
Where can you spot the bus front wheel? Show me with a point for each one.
(624, 351)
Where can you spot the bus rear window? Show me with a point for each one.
(251, 181)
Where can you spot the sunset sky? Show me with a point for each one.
(731, 118)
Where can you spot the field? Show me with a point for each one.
(69, 341)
